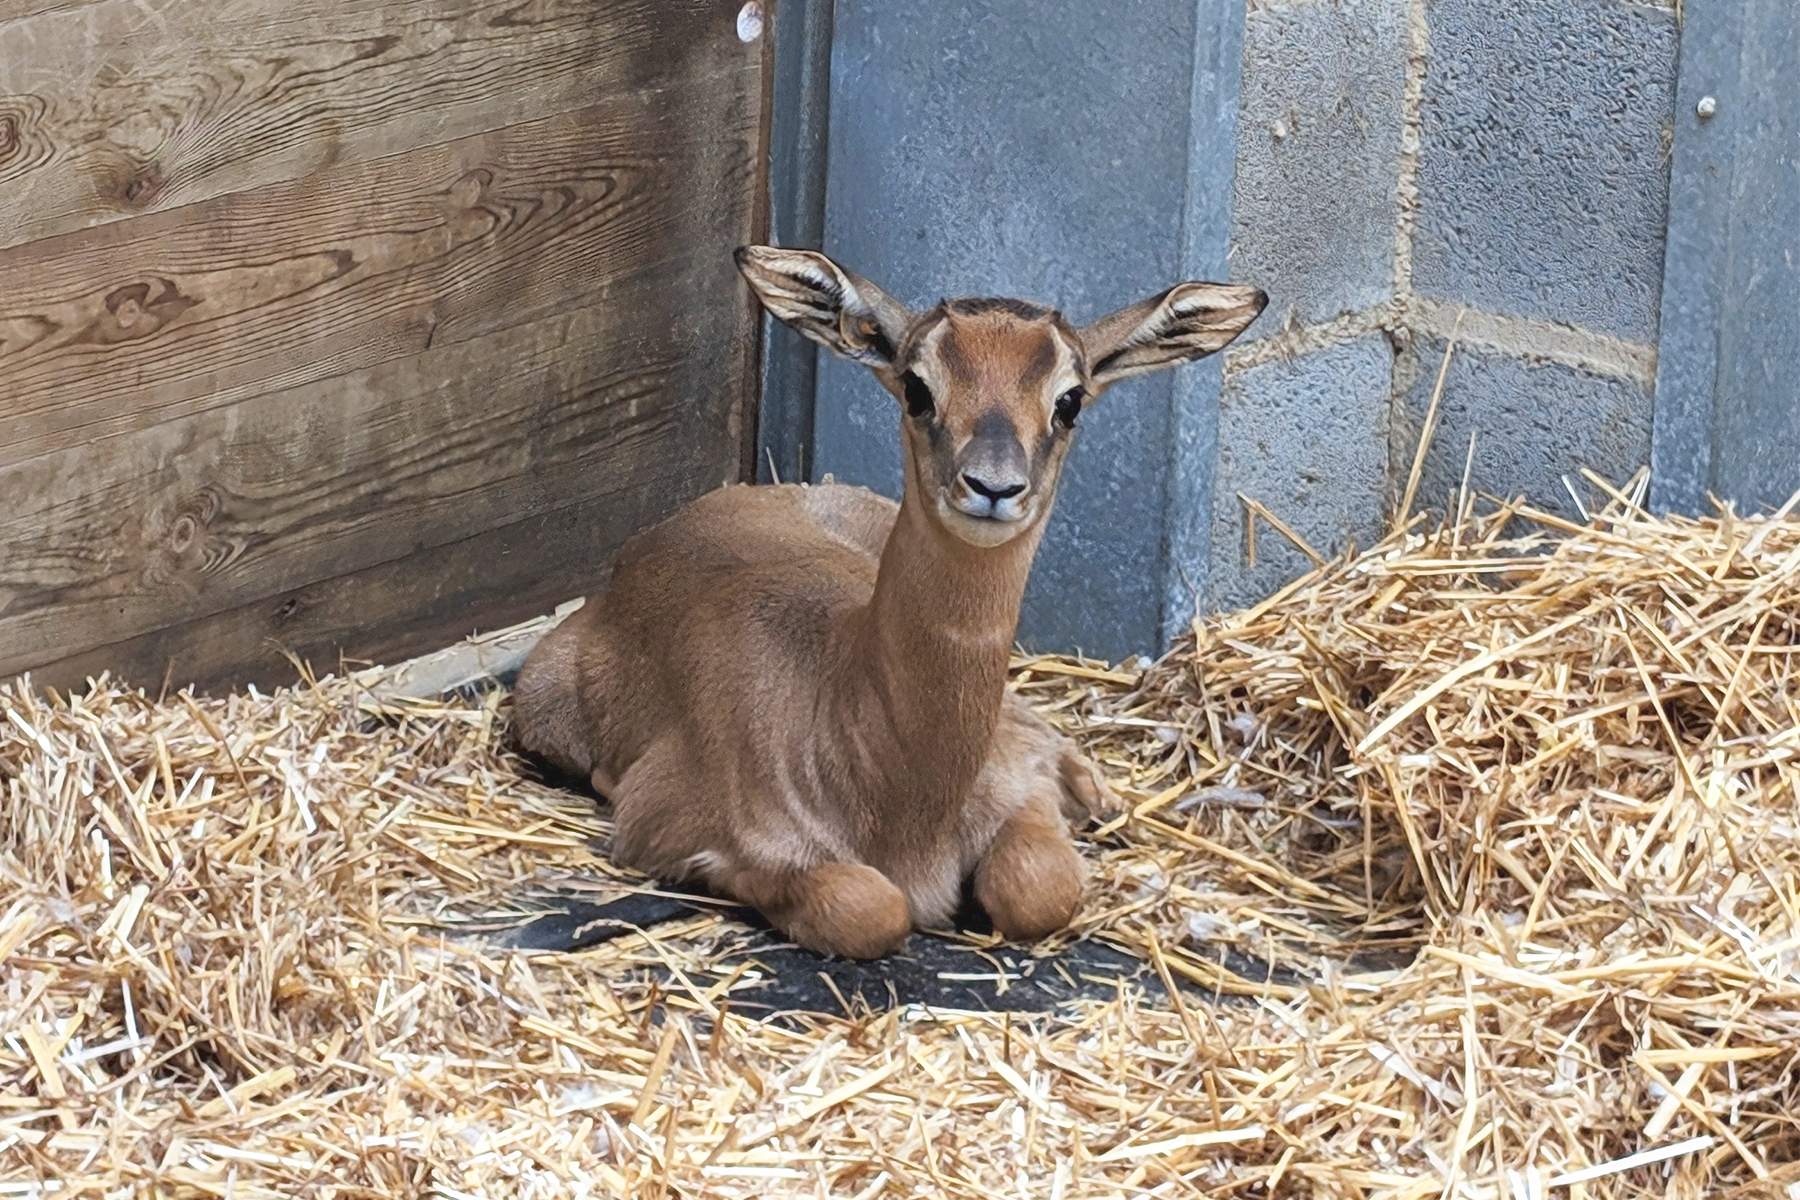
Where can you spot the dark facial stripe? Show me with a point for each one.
(951, 353)
(915, 337)
(1042, 362)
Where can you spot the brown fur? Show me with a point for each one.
(797, 695)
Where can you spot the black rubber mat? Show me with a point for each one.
(931, 969)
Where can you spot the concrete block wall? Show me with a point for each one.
(1302, 435)
(1533, 422)
(1412, 169)
(1307, 401)
(1318, 158)
(1398, 174)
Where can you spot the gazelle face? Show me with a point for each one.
(991, 390)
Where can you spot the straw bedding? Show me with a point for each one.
(1509, 808)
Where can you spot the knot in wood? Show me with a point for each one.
(144, 185)
(193, 515)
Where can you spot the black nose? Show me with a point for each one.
(982, 487)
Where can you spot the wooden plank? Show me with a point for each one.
(410, 606)
(111, 109)
(18, 10)
(126, 325)
(490, 654)
(192, 517)
(415, 390)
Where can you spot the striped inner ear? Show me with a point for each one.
(808, 292)
(1190, 321)
(800, 294)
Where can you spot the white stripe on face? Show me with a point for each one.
(1063, 376)
(925, 358)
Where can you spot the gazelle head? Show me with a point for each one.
(991, 390)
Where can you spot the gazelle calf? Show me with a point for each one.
(796, 695)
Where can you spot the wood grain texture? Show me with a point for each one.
(18, 10)
(387, 613)
(111, 109)
(425, 385)
(127, 325)
(196, 516)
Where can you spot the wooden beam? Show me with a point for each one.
(413, 391)
(112, 109)
(111, 539)
(130, 324)
(488, 656)
(408, 607)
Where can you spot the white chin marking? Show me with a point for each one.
(982, 531)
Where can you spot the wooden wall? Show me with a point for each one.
(354, 326)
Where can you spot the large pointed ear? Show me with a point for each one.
(1189, 321)
(828, 304)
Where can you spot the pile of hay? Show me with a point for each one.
(1507, 812)
(1559, 766)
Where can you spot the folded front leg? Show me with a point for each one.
(842, 908)
(1030, 878)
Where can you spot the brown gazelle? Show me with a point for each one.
(796, 695)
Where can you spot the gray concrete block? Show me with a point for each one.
(1543, 168)
(990, 148)
(1533, 423)
(1319, 124)
(1308, 438)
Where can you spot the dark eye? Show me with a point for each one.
(1068, 407)
(918, 396)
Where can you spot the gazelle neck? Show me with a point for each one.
(938, 639)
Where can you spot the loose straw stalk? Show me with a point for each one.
(1508, 807)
